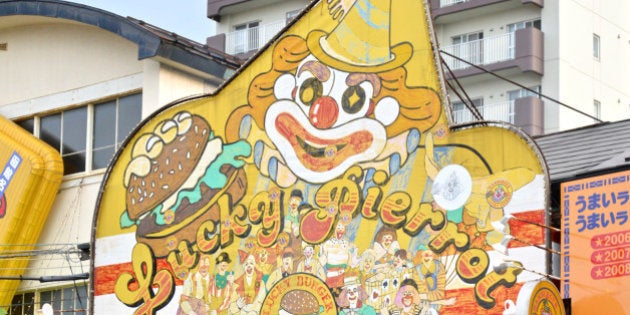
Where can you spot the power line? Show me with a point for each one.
(40, 244)
(521, 86)
(43, 279)
(470, 104)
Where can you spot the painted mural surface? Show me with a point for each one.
(323, 179)
(596, 243)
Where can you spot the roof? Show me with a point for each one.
(152, 41)
(215, 6)
(592, 149)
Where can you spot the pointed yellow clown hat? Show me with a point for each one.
(361, 40)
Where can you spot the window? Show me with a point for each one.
(468, 47)
(246, 37)
(113, 121)
(462, 114)
(597, 109)
(23, 304)
(466, 38)
(596, 48)
(291, 15)
(70, 300)
(88, 136)
(520, 93)
(523, 24)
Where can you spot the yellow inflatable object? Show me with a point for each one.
(30, 175)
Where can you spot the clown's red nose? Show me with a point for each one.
(324, 112)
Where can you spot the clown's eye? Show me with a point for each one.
(353, 99)
(310, 90)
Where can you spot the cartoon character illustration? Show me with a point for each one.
(265, 261)
(310, 264)
(385, 244)
(367, 267)
(285, 268)
(221, 286)
(335, 255)
(292, 217)
(194, 298)
(339, 9)
(351, 298)
(407, 300)
(250, 287)
(335, 102)
(401, 268)
(432, 284)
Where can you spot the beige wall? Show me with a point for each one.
(69, 222)
(164, 84)
(40, 61)
(582, 78)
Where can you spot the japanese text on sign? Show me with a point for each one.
(8, 171)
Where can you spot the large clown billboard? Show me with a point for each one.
(324, 178)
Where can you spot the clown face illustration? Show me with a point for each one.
(249, 265)
(204, 266)
(334, 100)
(321, 123)
(353, 295)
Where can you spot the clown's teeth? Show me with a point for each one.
(273, 168)
(258, 153)
(246, 127)
(315, 145)
(413, 139)
(394, 163)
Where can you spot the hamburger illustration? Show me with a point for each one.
(299, 302)
(176, 175)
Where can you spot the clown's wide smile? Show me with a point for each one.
(319, 155)
(317, 151)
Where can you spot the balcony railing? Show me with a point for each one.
(496, 112)
(481, 52)
(246, 40)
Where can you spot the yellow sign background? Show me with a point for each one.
(384, 170)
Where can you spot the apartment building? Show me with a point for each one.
(81, 79)
(244, 26)
(574, 52)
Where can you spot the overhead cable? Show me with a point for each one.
(468, 102)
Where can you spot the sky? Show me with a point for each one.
(184, 17)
